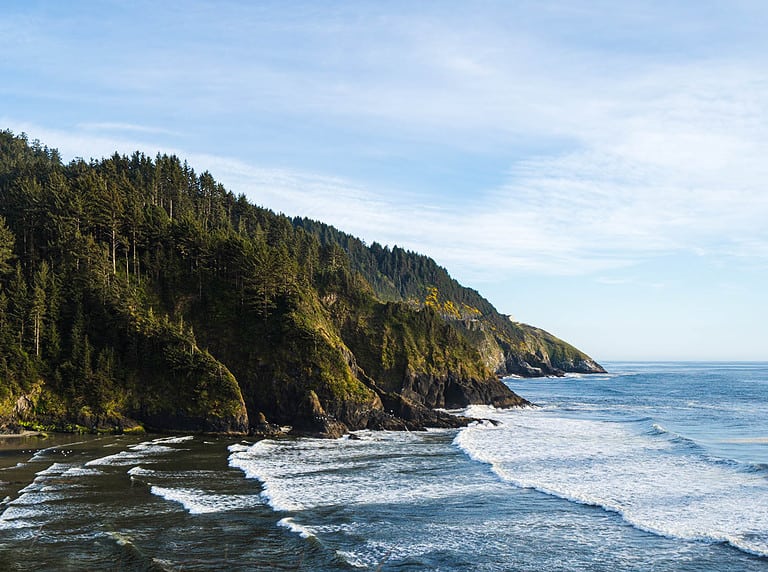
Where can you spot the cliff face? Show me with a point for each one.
(135, 293)
(506, 347)
(347, 361)
(532, 352)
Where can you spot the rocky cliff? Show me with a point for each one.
(136, 294)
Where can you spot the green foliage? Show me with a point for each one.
(417, 281)
(6, 248)
(133, 289)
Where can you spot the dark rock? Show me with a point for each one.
(313, 420)
(263, 428)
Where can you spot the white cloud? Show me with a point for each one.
(112, 127)
(635, 157)
(663, 168)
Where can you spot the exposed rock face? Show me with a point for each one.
(461, 393)
(415, 416)
(313, 419)
(543, 365)
(237, 424)
(585, 365)
(415, 408)
(453, 392)
(412, 405)
(532, 352)
(409, 400)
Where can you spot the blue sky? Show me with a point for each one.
(598, 169)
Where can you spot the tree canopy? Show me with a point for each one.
(133, 288)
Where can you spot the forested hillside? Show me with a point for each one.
(137, 293)
(509, 348)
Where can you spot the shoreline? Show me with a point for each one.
(23, 434)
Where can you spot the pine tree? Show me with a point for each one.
(6, 248)
(38, 304)
(18, 308)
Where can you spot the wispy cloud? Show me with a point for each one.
(615, 153)
(112, 127)
(683, 176)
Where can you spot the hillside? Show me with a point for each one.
(135, 293)
(509, 348)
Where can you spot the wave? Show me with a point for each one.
(660, 431)
(54, 469)
(238, 447)
(132, 556)
(590, 376)
(368, 554)
(735, 464)
(174, 440)
(146, 451)
(82, 472)
(658, 485)
(139, 471)
(303, 531)
(306, 474)
(37, 501)
(16, 517)
(18, 465)
(198, 501)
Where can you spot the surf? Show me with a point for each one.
(656, 480)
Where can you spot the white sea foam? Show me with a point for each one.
(54, 469)
(21, 517)
(198, 501)
(81, 472)
(303, 531)
(377, 468)
(374, 554)
(33, 503)
(238, 447)
(139, 471)
(29, 509)
(371, 553)
(174, 440)
(37, 498)
(353, 559)
(147, 451)
(655, 481)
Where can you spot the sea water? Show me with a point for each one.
(659, 466)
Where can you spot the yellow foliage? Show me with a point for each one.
(470, 310)
(432, 298)
(450, 309)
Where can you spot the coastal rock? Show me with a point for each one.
(584, 365)
(454, 392)
(532, 352)
(416, 416)
(313, 419)
(461, 393)
(228, 317)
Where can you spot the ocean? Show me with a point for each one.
(654, 466)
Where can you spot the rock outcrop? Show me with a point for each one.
(136, 294)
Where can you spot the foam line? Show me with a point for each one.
(655, 480)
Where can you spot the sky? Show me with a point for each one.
(594, 168)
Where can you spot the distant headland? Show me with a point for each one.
(137, 294)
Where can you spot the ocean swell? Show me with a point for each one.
(655, 480)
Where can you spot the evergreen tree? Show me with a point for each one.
(18, 307)
(6, 248)
(38, 304)
(107, 266)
